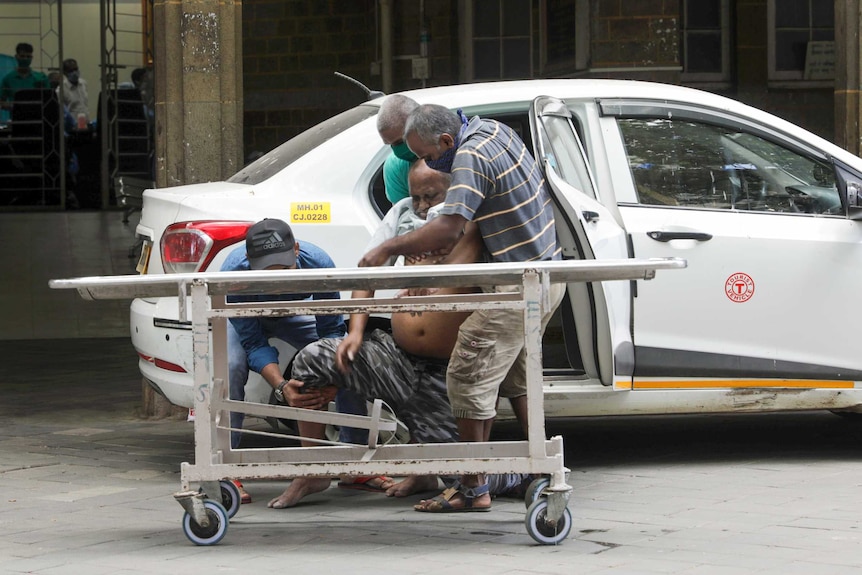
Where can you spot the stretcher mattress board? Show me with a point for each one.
(345, 279)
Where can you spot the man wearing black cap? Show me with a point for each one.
(270, 244)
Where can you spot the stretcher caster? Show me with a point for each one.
(535, 489)
(230, 497)
(542, 529)
(211, 534)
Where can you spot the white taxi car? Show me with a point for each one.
(766, 214)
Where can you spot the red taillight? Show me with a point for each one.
(162, 364)
(191, 246)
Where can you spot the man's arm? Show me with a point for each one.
(255, 344)
(263, 358)
(469, 248)
(349, 346)
(441, 233)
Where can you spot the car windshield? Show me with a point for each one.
(284, 155)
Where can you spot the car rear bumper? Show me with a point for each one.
(164, 353)
(164, 346)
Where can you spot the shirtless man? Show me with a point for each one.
(406, 369)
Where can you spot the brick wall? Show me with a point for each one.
(632, 34)
(441, 21)
(291, 49)
(811, 108)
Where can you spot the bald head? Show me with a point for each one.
(427, 187)
(392, 116)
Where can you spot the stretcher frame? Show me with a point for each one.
(216, 461)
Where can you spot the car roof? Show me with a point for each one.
(482, 94)
(477, 94)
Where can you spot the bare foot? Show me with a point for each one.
(413, 484)
(299, 488)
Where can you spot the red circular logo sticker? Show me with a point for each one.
(739, 287)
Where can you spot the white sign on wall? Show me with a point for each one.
(820, 61)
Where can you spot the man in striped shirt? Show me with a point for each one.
(497, 184)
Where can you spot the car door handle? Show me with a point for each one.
(668, 236)
(590, 216)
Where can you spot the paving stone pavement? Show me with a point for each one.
(86, 488)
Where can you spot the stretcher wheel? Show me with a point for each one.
(214, 532)
(542, 531)
(230, 497)
(534, 490)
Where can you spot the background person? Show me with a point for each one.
(142, 80)
(54, 79)
(75, 95)
(23, 77)
(72, 165)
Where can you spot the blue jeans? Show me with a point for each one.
(298, 331)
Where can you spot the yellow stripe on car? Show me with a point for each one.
(735, 383)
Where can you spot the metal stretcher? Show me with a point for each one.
(208, 510)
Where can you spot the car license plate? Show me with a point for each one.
(144, 259)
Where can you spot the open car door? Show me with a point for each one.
(595, 316)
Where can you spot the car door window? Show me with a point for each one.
(377, 193)
(679, 162)
(565, 154)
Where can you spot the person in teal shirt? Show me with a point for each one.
(390, 125)
(23, 77)
(395, 172)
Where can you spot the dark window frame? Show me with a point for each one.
(690, 30)
(814, 31)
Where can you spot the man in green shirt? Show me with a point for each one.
(390, 125)
(23, 77)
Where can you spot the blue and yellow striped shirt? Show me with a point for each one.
(497, 183)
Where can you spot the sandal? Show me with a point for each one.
(244, 496)
(372, 483)
(442, 503)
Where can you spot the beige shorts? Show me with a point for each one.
(489, 358)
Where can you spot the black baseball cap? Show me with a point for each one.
(270, 242)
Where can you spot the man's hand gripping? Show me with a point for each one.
(347, 351)
(297, 395)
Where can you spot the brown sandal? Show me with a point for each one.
(442, 503)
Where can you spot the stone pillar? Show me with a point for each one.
(197, 63)
(752, 69)
(198, 90)
(848, 19)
